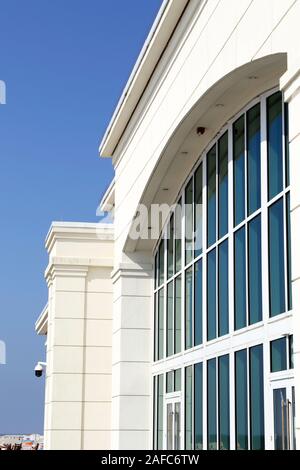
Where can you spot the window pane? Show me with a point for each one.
(275, 165)
(160, 412)
(189, 308)
(211, 197)
(289, 259)
(223, 185)
(239, 170)
(291, 351)
(155, 412)
(188, 407)
(156, 270)
(170, 382)
(255, 273)
(276, 259)
(178, 315)
(253, 144)
(161, 330)
(211, 295)
(198, 212)
(257, 398)
(223, 288)
(198, 303)
(198, 407)
(224, 429)
(240, 279)
(287, 144)
(171, 248)
(155, 328)
(189, 222)
(278, 355)
(177, 380)
(170, 319)
(211, 405)
(241, 410)
(280, 427)
(178, 234)
(161, 262)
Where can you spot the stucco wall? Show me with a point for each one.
(213, 39)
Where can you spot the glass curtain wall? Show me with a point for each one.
(208, 272)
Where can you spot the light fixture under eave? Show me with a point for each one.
(184, 152)
(220, 105)
(165, 189)
(252, 77)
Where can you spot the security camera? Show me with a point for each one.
(38, 370)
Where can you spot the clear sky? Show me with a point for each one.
(65, 63)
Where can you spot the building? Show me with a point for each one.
(205, 330)
(77, 322)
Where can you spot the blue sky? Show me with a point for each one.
(65, 63)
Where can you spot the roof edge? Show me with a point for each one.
(158, 37)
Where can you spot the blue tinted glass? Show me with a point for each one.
(170, 319)
(289, 260)
(198, 303)
(189, 308)
(240, 279)
(239, 170)
(160, 412)
(211, 197)
(189, 408)
(278, 355)
(255, 273)
(280, 422)
(291, 352)
(198, 407)
(241, 408)
(253, 143)
(156, 271)
(155, 328)
(161, 262)
(211, 295)
(198, 212)
(287, 144)
(170, 243)
(211, 405)
(257, 398)
(223, 288)
(161, 322)
(177, 380)
(178, 314)
(276, 259)
(224, 428)
(275, 147)
(177, 235)
(170, 382)
(223, 185)
(189, 222)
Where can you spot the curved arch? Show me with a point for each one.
(211, 112)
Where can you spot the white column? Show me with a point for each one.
(290, 85)
(132, 349)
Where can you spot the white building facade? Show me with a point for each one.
(205, 328)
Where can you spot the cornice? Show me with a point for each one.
(74, 267)
(78, 231)
(41, 325)
(127, 270)
(162, 30)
